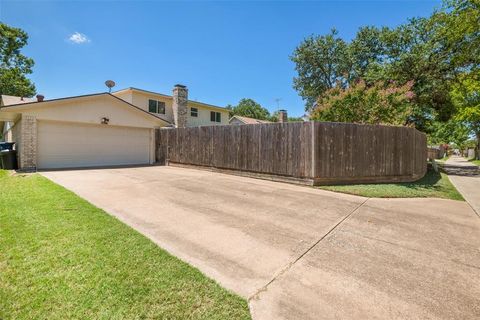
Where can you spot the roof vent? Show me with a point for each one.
(40, 97)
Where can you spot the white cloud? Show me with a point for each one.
(78, 38)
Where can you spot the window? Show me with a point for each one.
(215, 116)
(194, 112)
(152, 106)
(155, 106)
(161, 107)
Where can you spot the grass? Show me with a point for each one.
(476, 162)
(433, 184)
(63, 258)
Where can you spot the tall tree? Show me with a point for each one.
(466, 97)
(414, 55)
(458, 33)
(431, 52)
(321, 62)
(249, 108)
(14, 66)
(458, 36)
(452, 131)
(367, 54)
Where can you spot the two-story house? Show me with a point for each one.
(196, 113)
(102, 129)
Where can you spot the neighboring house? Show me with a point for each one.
(282, 117)
(99, 129)
(246, 120)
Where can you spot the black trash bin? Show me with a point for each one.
(6, 146)
(8, 160)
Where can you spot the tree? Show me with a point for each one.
(274, 116)
(367, 54)
(458, 34)
(466, 98)
(431, 52)
(249, 108)
(449, 132)
(321, 62)
(359, 103)
(14, 66)
(413, 54)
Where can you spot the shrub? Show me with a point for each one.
(379, 103)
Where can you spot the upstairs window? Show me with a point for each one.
(194, 112)
(215, 116)
(152, 106)
(155, 106)
(161, 107)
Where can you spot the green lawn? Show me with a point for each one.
(432, 185)
(477, 162)
(63, 258)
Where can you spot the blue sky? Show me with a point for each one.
(222, 50)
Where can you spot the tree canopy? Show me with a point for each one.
(14, 66)
(438, 55)
(321, 62)
(376, 104)
(466, 98)
(378, 55)
(249, 108)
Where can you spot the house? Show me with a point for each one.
(236, 120)
(102, 129)
(246, 120)
(197, 113)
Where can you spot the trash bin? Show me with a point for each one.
(8, 160)
(6, 146)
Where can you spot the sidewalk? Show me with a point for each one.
(465, 176)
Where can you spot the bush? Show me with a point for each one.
(379, 103)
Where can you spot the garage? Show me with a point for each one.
(67, 145)
(97, 130)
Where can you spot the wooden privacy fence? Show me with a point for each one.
(317, 152)
(433, 153)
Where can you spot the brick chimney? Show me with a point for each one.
(282, 116)
(40, 97)
(180, 110)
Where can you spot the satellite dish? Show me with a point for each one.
(110, 84)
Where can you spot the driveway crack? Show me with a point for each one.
(287, 267)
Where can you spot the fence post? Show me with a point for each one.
(167, 152)
(313, 164)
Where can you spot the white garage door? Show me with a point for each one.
(67, 145)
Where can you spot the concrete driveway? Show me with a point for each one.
(297, 252)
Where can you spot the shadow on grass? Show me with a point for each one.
(429, 181)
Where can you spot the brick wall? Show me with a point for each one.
(28, 148)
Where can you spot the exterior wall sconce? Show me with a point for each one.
(104, 120)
